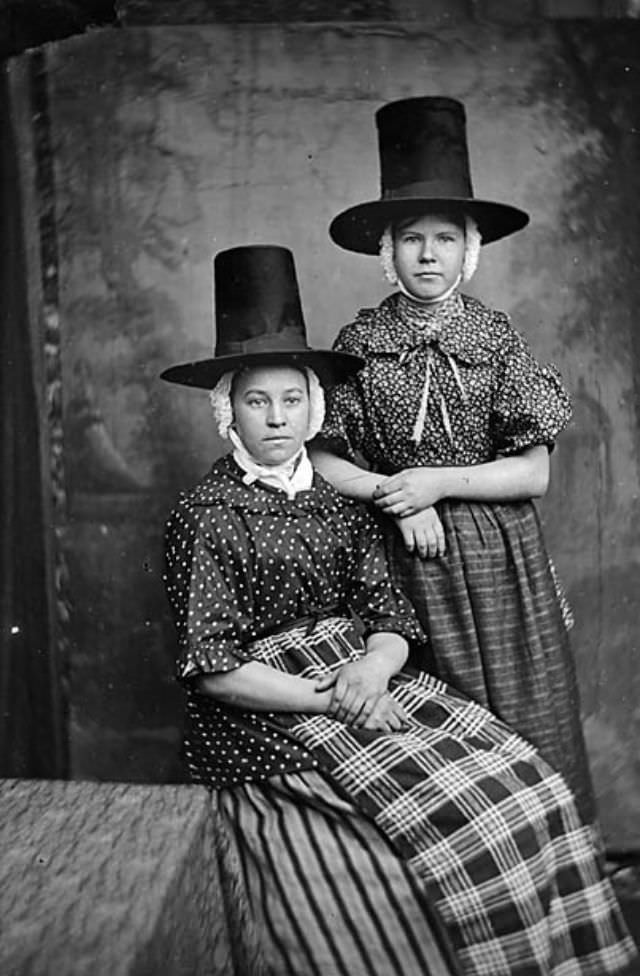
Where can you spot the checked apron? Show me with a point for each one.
(490, 829)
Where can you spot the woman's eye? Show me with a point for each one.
(255, 402)
(292, 401)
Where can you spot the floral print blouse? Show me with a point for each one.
(481, 391)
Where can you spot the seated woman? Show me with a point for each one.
(384, 824)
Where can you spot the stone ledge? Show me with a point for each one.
(109, 879)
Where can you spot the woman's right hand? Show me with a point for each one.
(387, 716)
(423, 533)
(355, 688)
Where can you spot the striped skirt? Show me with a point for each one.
(488, 828)
(491, 609)
(325, 893)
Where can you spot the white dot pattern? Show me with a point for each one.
(241, 560)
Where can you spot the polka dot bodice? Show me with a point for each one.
(242, 560)
(486, 395)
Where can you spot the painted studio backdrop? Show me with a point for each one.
(143, 151)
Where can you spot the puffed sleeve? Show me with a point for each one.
(343, 430)
(205, 589)
(377, 601)
(531, 405)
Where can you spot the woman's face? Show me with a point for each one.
(271, 412)
(428, 254)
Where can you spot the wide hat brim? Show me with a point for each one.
(330, 367)
(360, 227)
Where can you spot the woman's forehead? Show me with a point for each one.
(431, 221)
(275, 378)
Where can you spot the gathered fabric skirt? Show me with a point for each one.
(320, 888)
(497, 632)
(487, 827)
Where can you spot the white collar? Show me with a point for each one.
(293, 476)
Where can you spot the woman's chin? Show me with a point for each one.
(275, 454)
(430, 292)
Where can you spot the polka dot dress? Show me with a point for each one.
(241, 561)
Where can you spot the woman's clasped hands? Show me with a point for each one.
(360, 697)
(408, 497)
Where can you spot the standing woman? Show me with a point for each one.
(455, 420)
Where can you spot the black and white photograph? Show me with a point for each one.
(320, 488)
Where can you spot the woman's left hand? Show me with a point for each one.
(356, 689)
(409, 491)
(388, 716)
(423, 533)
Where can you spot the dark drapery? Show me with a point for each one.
(32, 719)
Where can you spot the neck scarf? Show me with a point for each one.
(293, 476)
(430, 318)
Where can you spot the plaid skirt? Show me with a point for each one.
(314, 889)
(492, 610)
(491, 831)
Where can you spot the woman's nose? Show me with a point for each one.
(426, 252)
(275, 415)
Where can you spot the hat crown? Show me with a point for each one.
(423, 148)
(424, 167)
(259, 321)
(257, 301)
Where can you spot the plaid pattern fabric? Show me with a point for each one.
(488, 826)
(498, 630)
